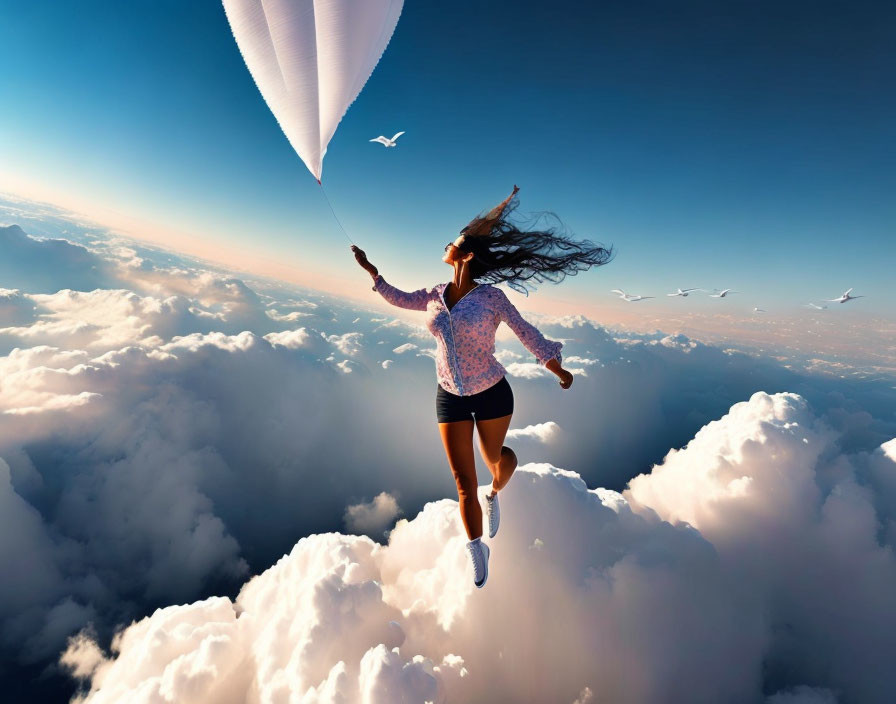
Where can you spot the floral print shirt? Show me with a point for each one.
(465, 335)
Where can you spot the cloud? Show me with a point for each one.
(803, 695)
(404, 623)
(288, 317)
(505, 356)
(527, 370)
(291, 339)
(32, 578)
(48, 265)
(645, 396)
(542, 432)
(801, 525)
(712, 578)
(101, 320)
(39, 379)
(348, 343)
(150, 465)
(15, 308)
(374, 517)
(584, 361)
(585, 696)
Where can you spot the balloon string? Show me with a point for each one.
(335, 217)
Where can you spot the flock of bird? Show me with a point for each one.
(682, 292)
(722, 293)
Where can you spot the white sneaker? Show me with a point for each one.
(494, 514)
(479, 553)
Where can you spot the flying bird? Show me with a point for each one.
(628, 297)
(684, 291)
(385, 141)
(816, 306)
(722, 294)
(844, 298)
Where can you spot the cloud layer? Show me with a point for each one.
(615, 596)
(175, 429)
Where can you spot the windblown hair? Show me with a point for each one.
(502, 252)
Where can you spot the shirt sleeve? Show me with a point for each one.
(543, 349)
(415, 300)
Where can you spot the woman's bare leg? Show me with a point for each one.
(501, 460)
(458, 441)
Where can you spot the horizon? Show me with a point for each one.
(795, 331)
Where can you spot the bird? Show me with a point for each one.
(844, 298)
(684, 291)
(385, 141)
(816, 306)
(758, 310)
(628, 297)
(722, 294)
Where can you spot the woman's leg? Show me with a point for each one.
(501, 460)
(458, 441)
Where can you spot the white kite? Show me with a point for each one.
(310, 59)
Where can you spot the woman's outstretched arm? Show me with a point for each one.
(547, 352)
(414, 300)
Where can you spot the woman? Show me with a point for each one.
(463, 315)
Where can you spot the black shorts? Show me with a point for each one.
(495, 402)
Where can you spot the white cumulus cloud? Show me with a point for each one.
(373, 517)
(291, 339)
(542, 432)
(348, 343)
(404, 623)
(527, 370)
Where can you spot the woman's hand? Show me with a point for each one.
(361, 258)
(495, 212)
(565, 379)
(564, 376)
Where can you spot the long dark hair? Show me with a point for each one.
(521, 258)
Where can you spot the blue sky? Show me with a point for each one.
(750, 145)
